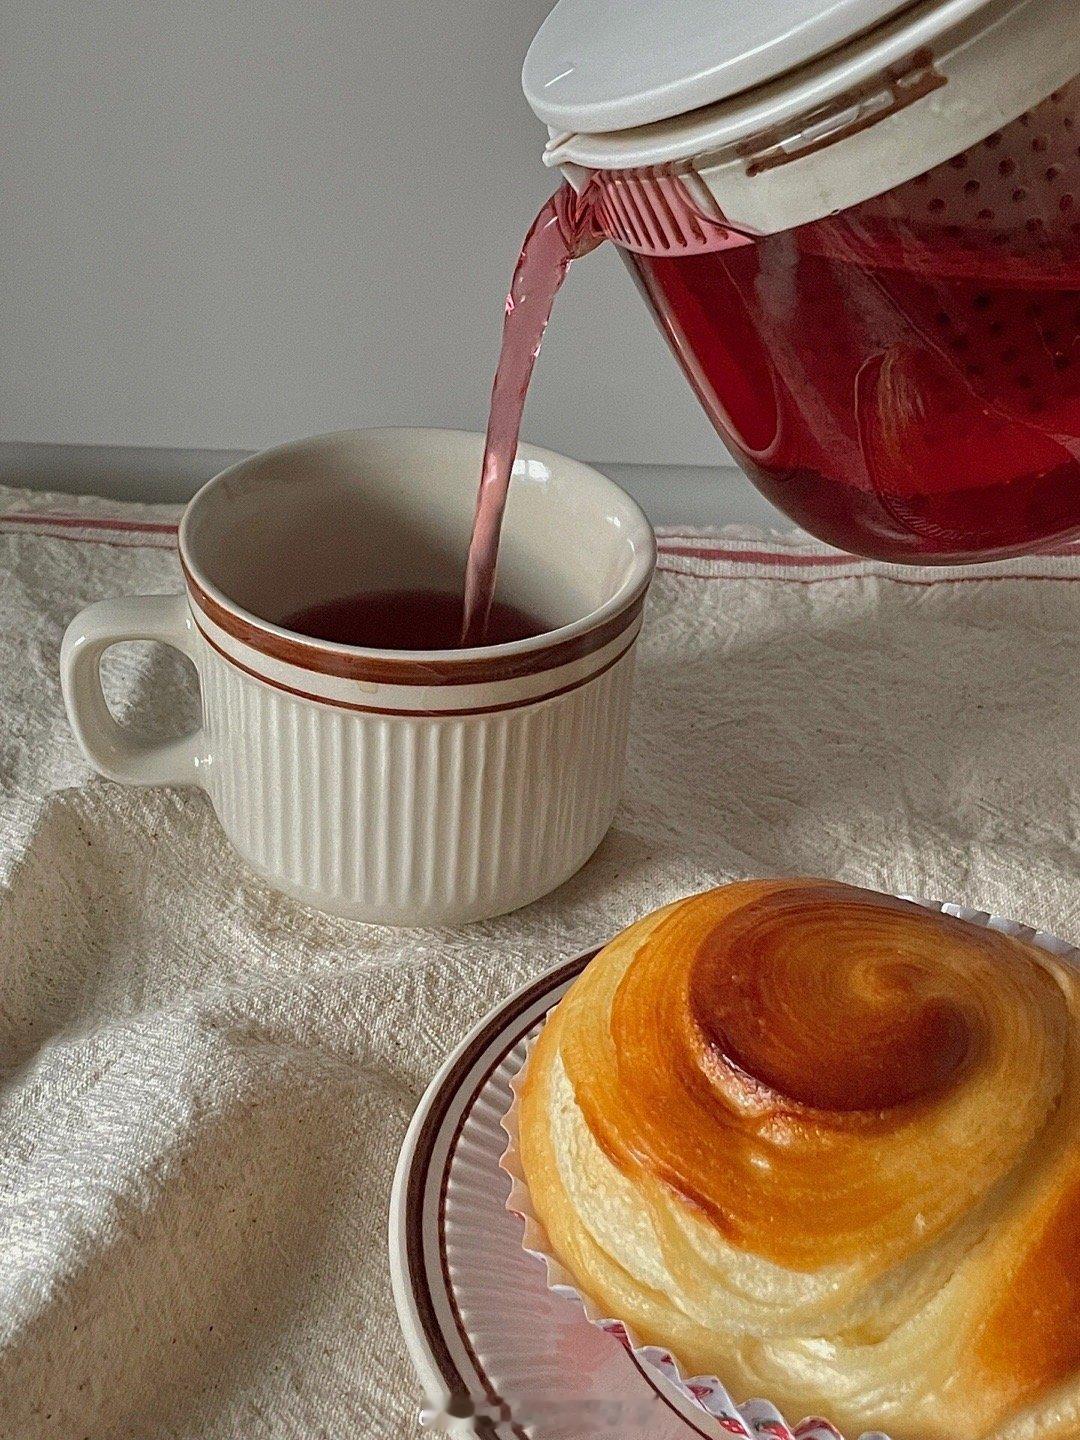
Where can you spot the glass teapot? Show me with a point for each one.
(859, 228)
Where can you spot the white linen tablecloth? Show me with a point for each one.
(205, 1084)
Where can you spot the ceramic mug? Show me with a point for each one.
(406, 787)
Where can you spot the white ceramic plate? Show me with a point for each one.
(498, 1353)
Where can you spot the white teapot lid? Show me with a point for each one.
(779, 112)
(614, 64)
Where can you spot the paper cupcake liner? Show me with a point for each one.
(755, 1419)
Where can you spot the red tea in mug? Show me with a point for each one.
(407, 620)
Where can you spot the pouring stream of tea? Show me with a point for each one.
(562, 231)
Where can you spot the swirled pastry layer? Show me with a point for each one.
(823, 1143)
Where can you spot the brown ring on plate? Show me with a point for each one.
(458, 1387)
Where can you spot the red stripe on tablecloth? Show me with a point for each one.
(65, 520)
(149, 543)
(783, 558)
(794, 560)
(872, 575)
(676, 546)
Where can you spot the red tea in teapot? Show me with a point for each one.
(912, 407)
(902, 378)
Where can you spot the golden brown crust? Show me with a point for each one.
(803, 1134)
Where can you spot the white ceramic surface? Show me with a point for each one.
(502, 1341)
(400, 787)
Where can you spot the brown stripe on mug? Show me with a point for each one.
(402, 670)
(448, 713)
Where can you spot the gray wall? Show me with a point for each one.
(232, 221)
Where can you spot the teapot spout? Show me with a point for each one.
(664, 211)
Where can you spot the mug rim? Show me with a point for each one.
(467, 666)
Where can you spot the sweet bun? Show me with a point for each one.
(823, 1144)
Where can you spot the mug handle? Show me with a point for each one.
(106, 744)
